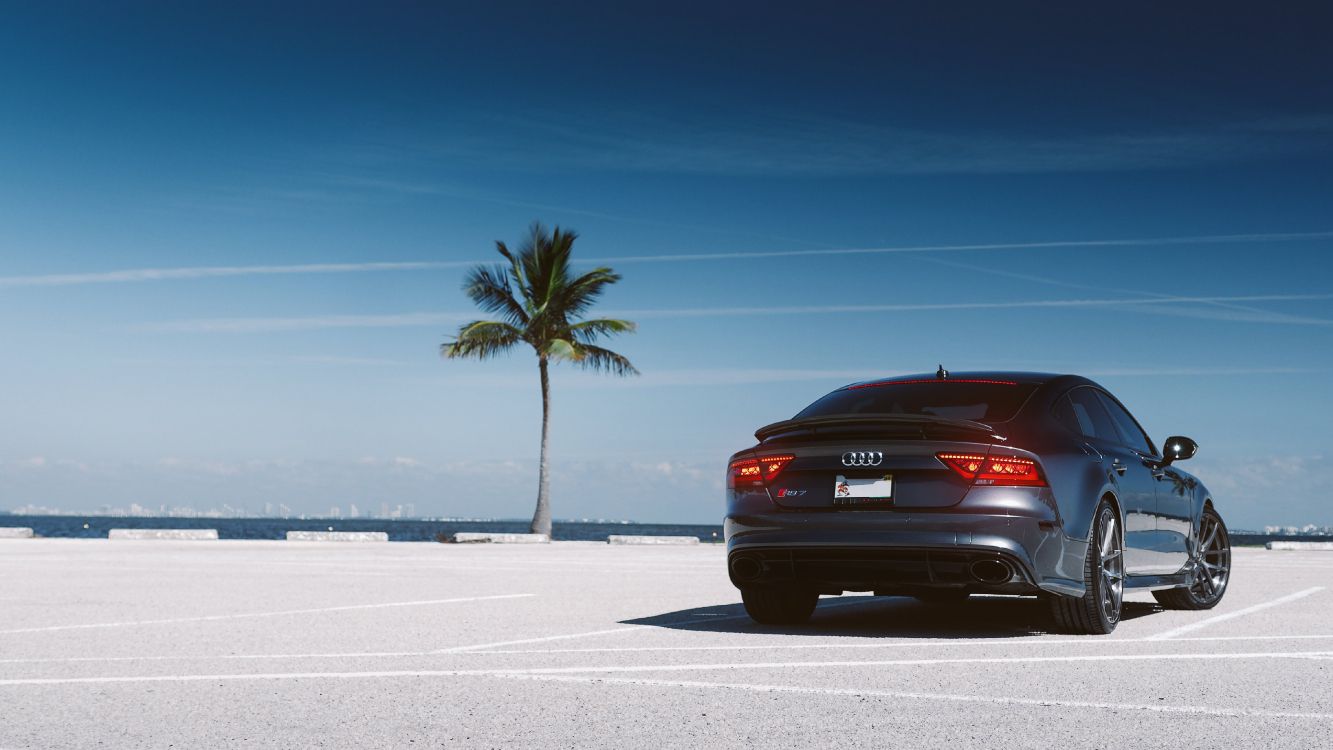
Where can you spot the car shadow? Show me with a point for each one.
(888, 617)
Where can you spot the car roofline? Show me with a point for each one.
(997, 376)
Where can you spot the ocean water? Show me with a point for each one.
(400, 530)
(416, 530)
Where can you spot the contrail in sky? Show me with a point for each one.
(212, 272)
(1199, 240)
(400, 320)
(708, 312)
(209, 272)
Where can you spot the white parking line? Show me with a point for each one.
(218, 657)
(999, 642)
(944, 697)
(40, 681)
(244, 615)
(468, 650)
(539, 676)
(1238, 613)
(920, 662)
(650, 668)
(524, 641)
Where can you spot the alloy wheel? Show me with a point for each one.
(1112, 558)
(1212, 560)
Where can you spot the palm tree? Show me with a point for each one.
(540, 303)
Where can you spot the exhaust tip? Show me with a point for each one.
(746, 568)
(992, 571)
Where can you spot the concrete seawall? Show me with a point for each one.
(337, 536)
(188, 534)
(477, 537)
(632, 539)
(1321, 546)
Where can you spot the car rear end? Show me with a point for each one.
(905, 486)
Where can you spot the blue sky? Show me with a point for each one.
(232, 237)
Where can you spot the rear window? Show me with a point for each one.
(951, 399)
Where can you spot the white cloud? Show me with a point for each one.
(1255, 491)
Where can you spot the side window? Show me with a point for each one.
(1092, 418)
(1064, 412)
(1130, 433)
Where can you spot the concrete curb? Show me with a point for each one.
(337, 536)
(464, 537)
(15, 532)
(1323, 546)
(187, 534)
(631, 539)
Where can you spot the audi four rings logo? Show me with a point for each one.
(862, 458)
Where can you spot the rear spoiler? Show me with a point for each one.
(813, 424)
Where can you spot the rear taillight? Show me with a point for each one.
(966, 464)
(994, 470)
(755, 472)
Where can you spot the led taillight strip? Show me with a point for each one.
(1001, 471)
(756, 471)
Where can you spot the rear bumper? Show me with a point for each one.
(895, 552)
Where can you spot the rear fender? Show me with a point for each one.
(1078, 501)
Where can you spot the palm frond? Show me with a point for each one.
(588, 331)
(528, 260)
(482, 339)
(580, 293)
(557, 264)
(517, 274)
(539, 301)
(491, 290)
(596, 358)
(544, 258)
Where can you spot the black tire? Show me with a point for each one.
(943, 596)
(1098, 611)
(772, 606)
(1210, 568)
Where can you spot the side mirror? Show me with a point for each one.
(1178, 448)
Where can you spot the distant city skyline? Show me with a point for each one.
(232, 239)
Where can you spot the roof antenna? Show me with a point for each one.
(941, 373)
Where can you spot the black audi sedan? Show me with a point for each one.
(946, 485)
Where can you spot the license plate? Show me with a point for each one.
(857, 490)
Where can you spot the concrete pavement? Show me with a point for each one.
(157, 644)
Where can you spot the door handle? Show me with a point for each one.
(1119, 467)
(1152, 463)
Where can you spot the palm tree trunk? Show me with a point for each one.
(541, 517)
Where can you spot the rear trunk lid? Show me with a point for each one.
(871, 462)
